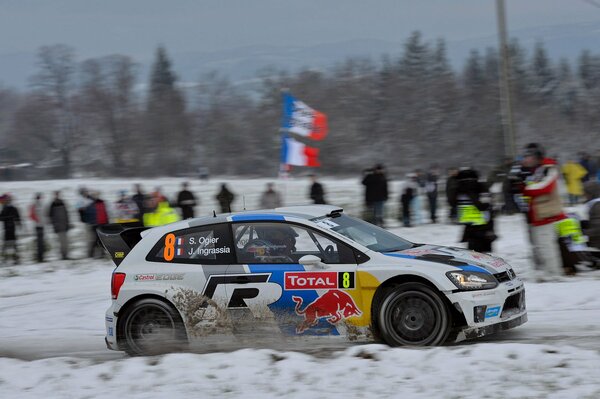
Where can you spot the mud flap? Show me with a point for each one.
(118, 240)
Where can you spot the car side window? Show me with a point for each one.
(210, 245)
(286, 243)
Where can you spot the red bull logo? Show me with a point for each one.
(333, 306)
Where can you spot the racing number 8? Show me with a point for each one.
(169, 253)
(345, 280)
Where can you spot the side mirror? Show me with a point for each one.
(311, 260)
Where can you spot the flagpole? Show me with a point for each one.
(283, 132)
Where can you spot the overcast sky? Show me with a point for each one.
(135, 27)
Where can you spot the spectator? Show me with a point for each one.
(270, 198)
(589, 165)
(591, 227)
(431, 188)
(405, 200)
(376, 192)
(451, 193)
(59, 218)
(473, 212)
(126, 210)
(317, 193)
(544, 210)
(417, 204)
(574, 173)
(186, 201)
(140, 200)
(37, 216)
(162, 214)
(11, 218)
(225, 198)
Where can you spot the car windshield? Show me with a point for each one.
(373, 237)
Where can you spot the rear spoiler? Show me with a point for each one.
(118, 240)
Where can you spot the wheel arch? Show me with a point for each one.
(127, 305)
(458, 319)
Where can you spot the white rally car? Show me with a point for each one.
(300, 271)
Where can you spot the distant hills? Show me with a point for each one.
(242, 64)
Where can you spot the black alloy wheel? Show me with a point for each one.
(152, 327)
(413, 314)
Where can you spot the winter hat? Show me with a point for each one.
(534, 149)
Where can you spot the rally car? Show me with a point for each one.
(301, 271)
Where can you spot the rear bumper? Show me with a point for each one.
(110, 322)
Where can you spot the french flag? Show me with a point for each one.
(298, 154)
(302, 120)
(179, 245)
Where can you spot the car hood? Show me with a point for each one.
(458, 257)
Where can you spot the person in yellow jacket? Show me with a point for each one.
(163, 214)
(574, 173)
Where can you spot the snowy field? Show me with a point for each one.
(52, 328)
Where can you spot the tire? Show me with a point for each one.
(150, 327)
(413, 314)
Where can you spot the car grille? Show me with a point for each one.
(513, 304)
(505, 276)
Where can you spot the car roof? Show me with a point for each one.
(299, 212)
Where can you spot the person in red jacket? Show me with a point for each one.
(540, 192)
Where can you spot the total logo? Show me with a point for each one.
(318, 280)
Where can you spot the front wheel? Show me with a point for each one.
(150, 327)
(413, 314)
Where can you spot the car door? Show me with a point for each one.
(308, 283)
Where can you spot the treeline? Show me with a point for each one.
(407, 111)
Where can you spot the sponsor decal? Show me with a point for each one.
(492, 312)
(243, 290)
(328, 224)
(333, 306)
(319, 280)
(110, 331)
(119, 255)
(109, 319)
(159, 277)
(479, 294)
(418, 252)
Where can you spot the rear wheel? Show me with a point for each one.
(413, 314)
(151, 326)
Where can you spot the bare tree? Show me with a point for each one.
(55, 85)
(110, 107)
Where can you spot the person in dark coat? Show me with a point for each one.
(591, 227)
(186, 201)
(317, 193)
(474, 213)
(12, 219)
(376, 192)
(431, 188)
(225, 198)
(140, 200)
(451, 194)
(405, 200)
(59, 218)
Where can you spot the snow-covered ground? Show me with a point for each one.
(52, 329)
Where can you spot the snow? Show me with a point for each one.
(52, 330)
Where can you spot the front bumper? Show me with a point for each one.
(490, 311)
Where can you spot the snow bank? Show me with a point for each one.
(476, 371)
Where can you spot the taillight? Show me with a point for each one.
(115, 285)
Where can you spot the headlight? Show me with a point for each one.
(472, 280)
